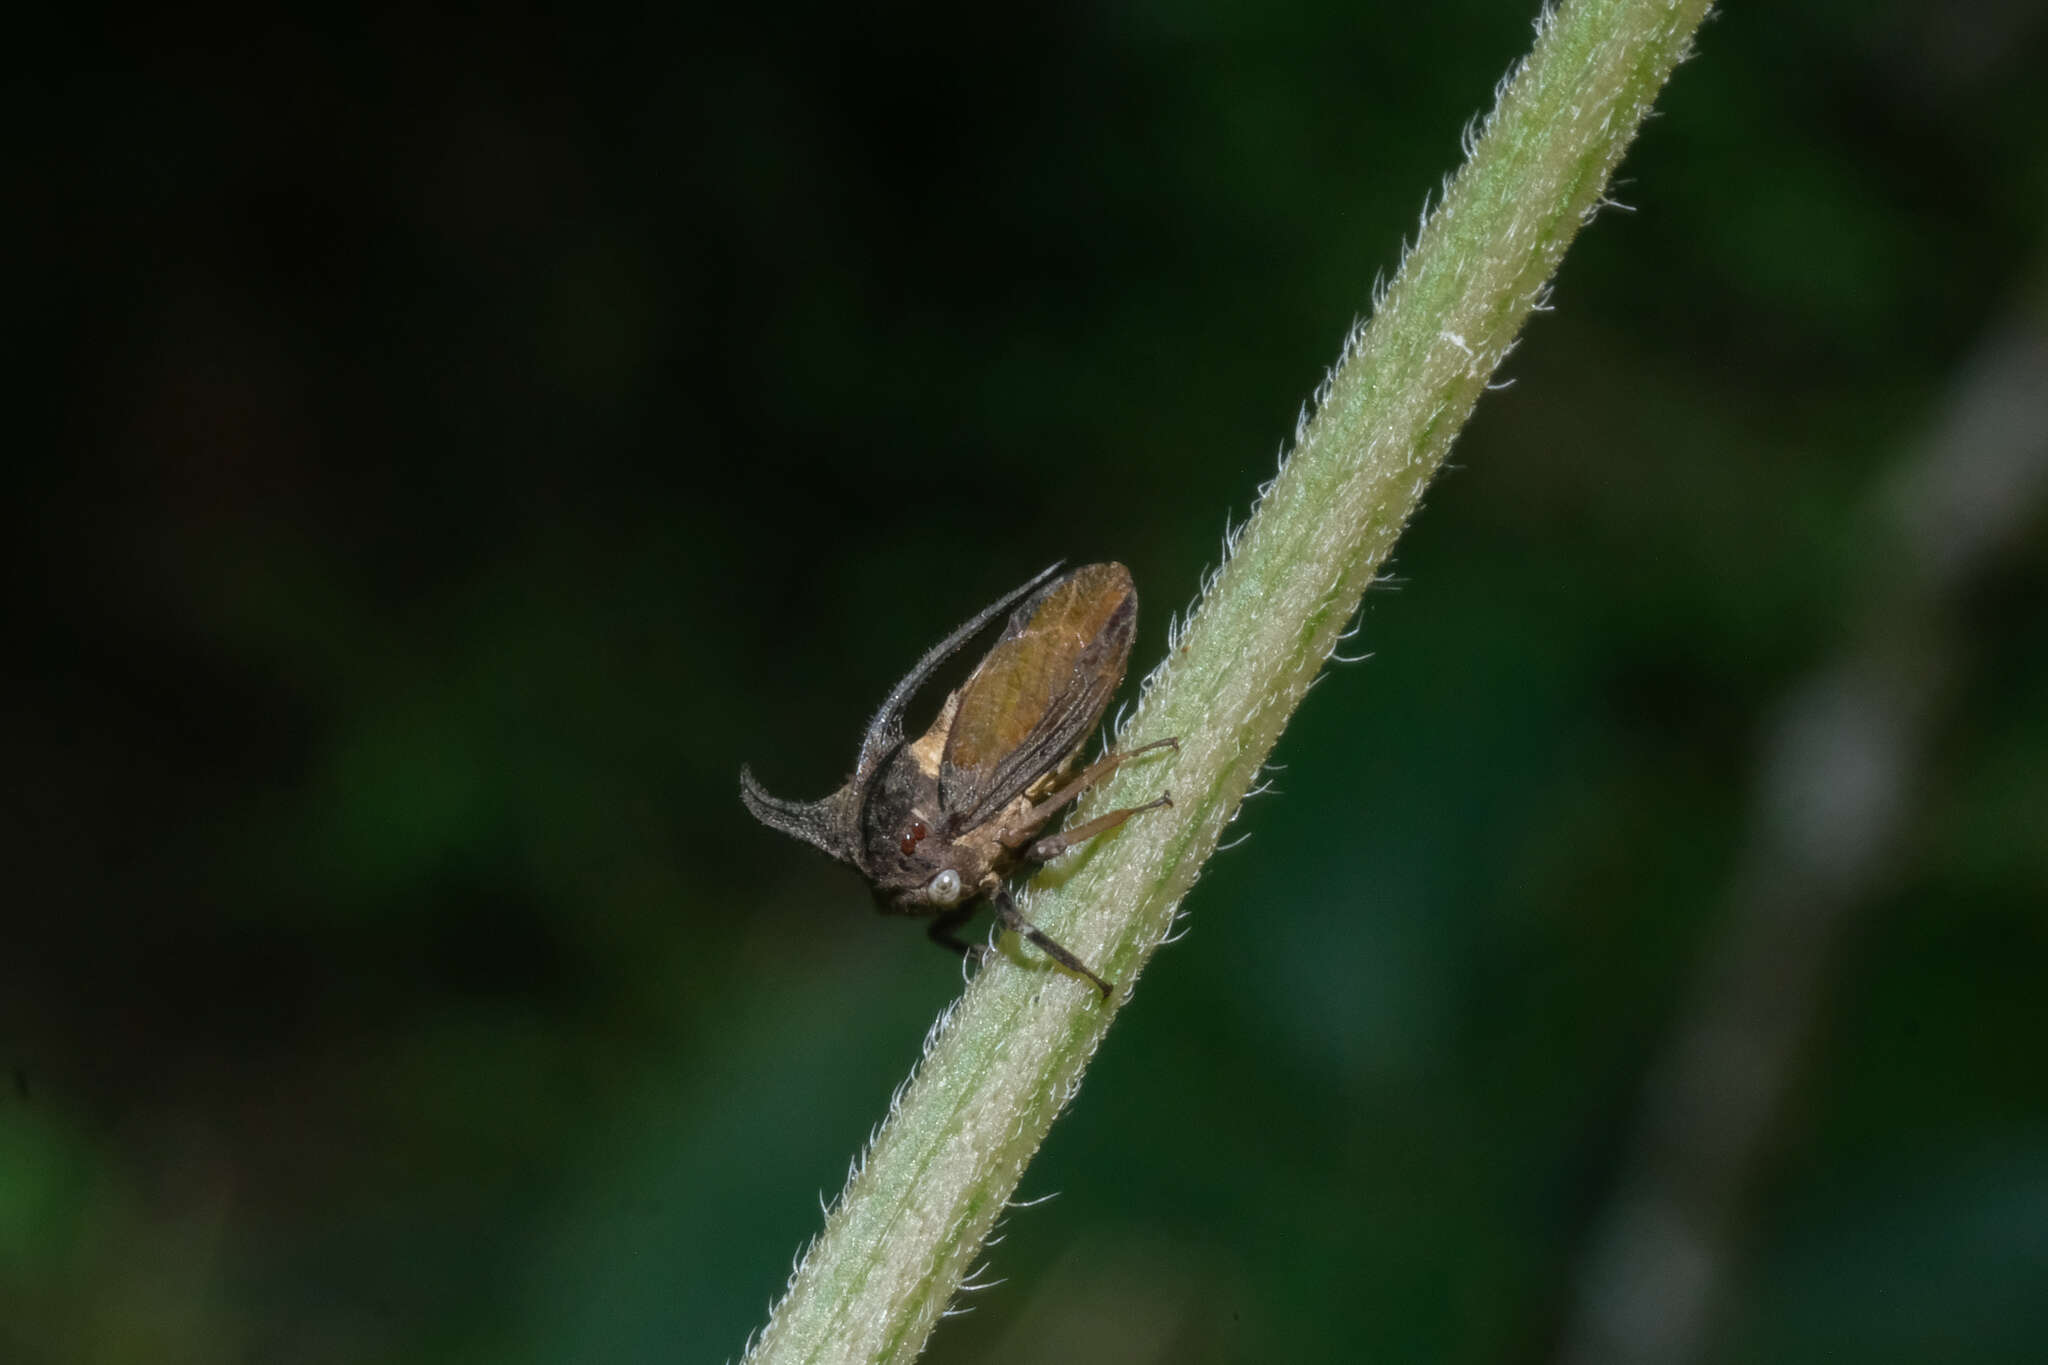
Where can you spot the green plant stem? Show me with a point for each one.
(1008, 1056)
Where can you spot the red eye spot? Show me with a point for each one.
(912, 837)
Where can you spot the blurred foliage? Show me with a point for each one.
(467, 439)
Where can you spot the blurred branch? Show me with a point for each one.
(1002, 1063)
(1834, 796)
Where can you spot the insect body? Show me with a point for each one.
(938, 822)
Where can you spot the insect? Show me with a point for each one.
(941, 821)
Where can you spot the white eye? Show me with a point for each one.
(944, 889)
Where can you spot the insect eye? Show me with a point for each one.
(912, 837)
(944, 889)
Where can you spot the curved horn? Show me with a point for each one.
(885, 731)
(832, 824)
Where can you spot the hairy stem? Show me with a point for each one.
(1008, 1056)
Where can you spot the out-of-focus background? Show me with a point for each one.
(450, 446)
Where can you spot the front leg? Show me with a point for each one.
(945, 931)
(1013, 919)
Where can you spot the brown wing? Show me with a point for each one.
(1034, 697)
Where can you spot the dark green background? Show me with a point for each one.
(449, 446)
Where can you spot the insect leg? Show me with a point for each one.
(1012, 919)
(1081, 782)
(945, 932)
(1052, 845)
